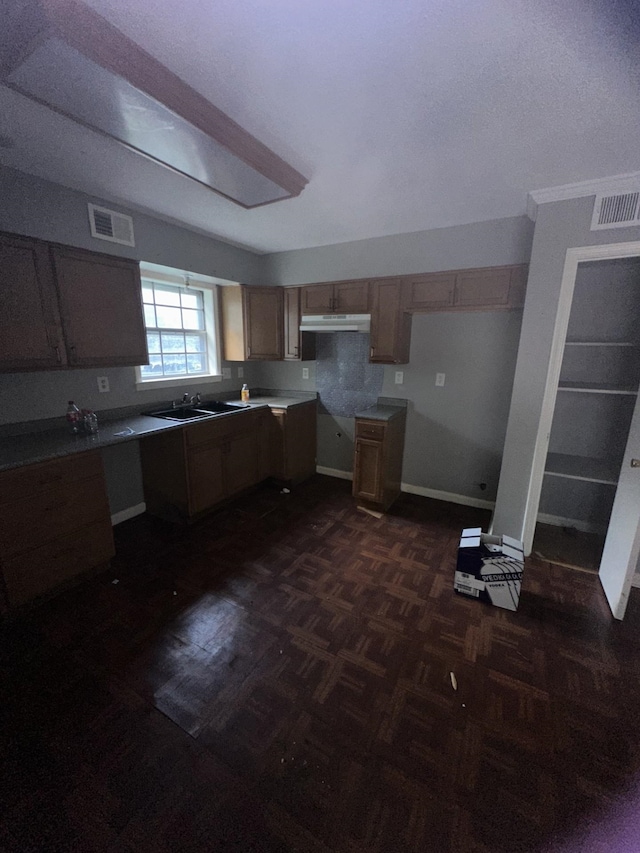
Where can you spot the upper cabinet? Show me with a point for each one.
(101, 308)
(390, 324)
(30, 332)
(65, 307)
(485, 289)
(297, 346)
(252, 323)
(342, 297)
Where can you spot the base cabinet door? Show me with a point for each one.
(367, 477)
(206, 479)
(241, 462)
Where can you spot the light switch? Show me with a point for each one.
(226, 373)
(439, 379)
(103, 384)
(399, 377)
(305, 372)
(240, 372)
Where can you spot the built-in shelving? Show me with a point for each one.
(596, 388)
(583, 468)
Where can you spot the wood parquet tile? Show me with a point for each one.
(276, 678)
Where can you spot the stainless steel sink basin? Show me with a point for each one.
(188, 413)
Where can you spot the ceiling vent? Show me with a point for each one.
(616, 211)
(109, 225)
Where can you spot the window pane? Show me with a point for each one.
(192, 319)
(168, 318)
(195, 343)
(147, 293)
(172, 343)
(149, 315)
(196, 363)
(191, 299)
(154, 368)
(153, 342)
(174, 364)
(167, 295)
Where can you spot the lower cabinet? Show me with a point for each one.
(377, 469)
(54, 524)
(190, 471)
(295, 442)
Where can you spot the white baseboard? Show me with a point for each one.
(582, 526)
(450, 497)
(126, 514)
(334, 472)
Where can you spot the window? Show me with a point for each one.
(180, 320)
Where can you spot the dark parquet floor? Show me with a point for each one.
(277, 678)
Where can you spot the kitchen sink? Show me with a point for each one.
(189, 413)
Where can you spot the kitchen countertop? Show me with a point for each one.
(383, 411)
(30, 447)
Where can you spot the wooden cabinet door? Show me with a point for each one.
(263, 308)
(430, 292)
(101, 309)
(390, 325)
(30, 333)
(483, 288)
(206, 476)
(351, 297)
(292, 324)
(265, 433)
(317, 299)
(368, 476)
(241, 462)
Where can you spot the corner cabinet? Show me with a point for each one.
(294, 442)
(297, 346)
(65, 307)
(252, 323)
(377, 470)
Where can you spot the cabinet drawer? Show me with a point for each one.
(368, 429)
(219, 429)
(30, 522)
(36, 571)
(32, 479)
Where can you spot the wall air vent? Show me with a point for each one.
(616, 211)
(109, 225)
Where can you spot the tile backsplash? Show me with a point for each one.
(345, 381)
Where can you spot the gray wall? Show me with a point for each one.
(38, 208)
(455, 434)
(481, 244)
(559, 226)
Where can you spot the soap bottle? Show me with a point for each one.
(244, 394)
(74, 418)
(90, 421)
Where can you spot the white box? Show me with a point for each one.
(489, 568)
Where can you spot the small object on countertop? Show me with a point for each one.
(74, 418)
(89, 421)
(244, 394)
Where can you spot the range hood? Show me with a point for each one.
(335, 323)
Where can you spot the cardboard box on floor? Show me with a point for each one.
(489, 568)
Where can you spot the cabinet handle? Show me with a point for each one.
(58, 356)
(295, 350)
(371, 353)
(248, 352)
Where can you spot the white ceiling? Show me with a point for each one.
(404, 114)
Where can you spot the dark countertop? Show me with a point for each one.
(30, 447)
(383, 411)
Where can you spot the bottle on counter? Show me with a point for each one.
(89, 421)
(74, 418)
(244, 394)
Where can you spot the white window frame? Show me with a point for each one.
(208, 287)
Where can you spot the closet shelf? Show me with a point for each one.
(596, 388)
(601, 344)
(583, 468)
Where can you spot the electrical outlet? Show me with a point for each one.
(399, 377)
(226, 373)
(439, 379)
(103, 384)
(305, 372)
(240, 372)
